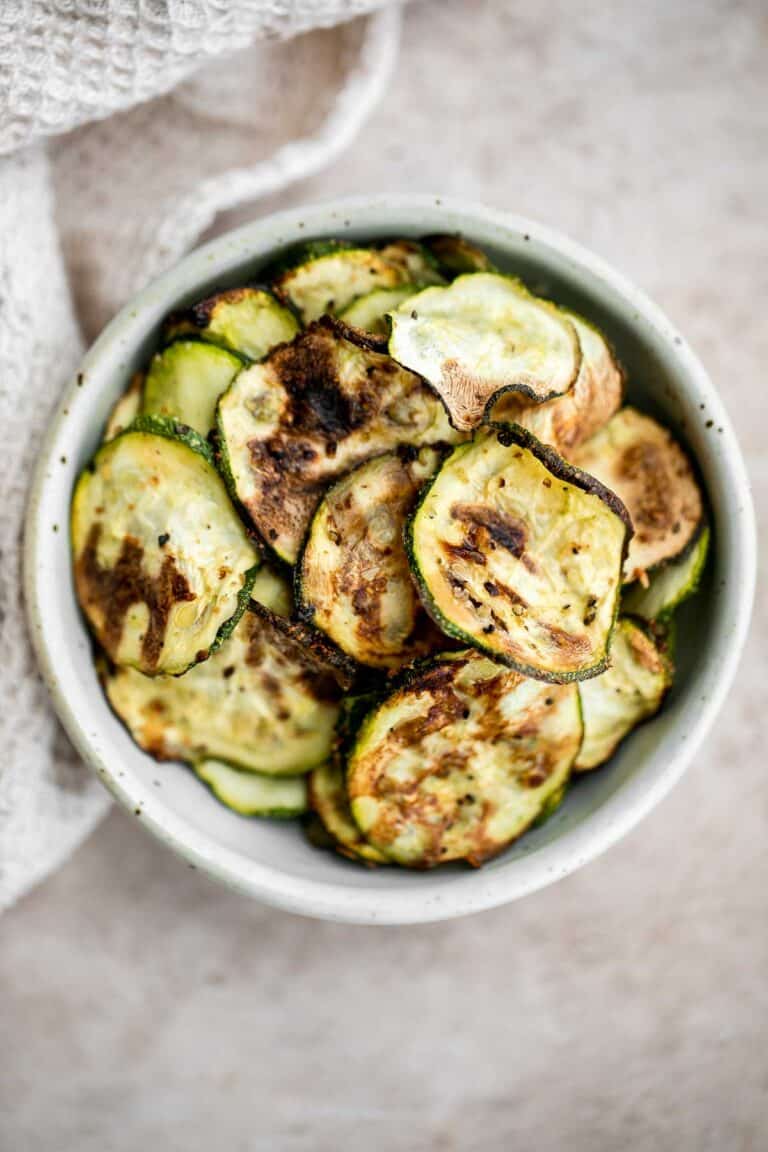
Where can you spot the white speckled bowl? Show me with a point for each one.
(273, 862)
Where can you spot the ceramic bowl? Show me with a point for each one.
(273, 862)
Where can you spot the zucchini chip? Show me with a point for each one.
(253, 794)
(246, 321)
(318, 653)
(458, 762)
(456, 255)
(185, 381)
(353, 580)
(415, 261)
(369, 312)
(520, 554)
(162, 563)
(126, 408)
(671, 585)
(638, 459)
(482, 333)
(257, 704)
(630, 691)
(329, 281)
(568, 420)
(310, 411)
(328, 799)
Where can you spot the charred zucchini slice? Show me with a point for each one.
(568, 420)
(638, 459)
(162, 563)
(353, 579)
(671, 585)
(456, 255)
(631, 690)
(330, 281)
(126, 408)
(369, 312)
(520, 554)
(458, 762)
(482, 333)
(246, 321)
(257, 704)
(414, 260)
(185, 381)
(310, 411)
(252, 793)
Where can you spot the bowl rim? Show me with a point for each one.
(476, 891)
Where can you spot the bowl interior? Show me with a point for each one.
(274, 861)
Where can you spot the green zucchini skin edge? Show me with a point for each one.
(174, 430)
(171, 429)
(514, 434)
(276, 813)
(321, 650)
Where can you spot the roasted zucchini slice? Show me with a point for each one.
(369, 312)
(329, 800)
(330, 281)
(353, 580)
(456, 255)
(631, 690)
(247, 321)
(568, 420)
(126, 409)
(670, 585)
(482, 333)
(162, 563)
(328, 789)
(520, 554)
(414, 260)
(252, 793)
(458, 762)
(185, 381)
(638, 459)
(257, 704)
(310, 411)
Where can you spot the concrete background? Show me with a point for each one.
(141, 1007)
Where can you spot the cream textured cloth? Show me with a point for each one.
(173, 114)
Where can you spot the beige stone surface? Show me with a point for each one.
(626, 1008)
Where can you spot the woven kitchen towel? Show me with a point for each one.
(174, 110)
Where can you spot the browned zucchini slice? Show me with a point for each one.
(520, 554)
(257, 704)
(353, 579)
(163, 565)
(248, 321)
(482, 333)
(458, 762)
(630, 691)
(568, 420)
(456, 255)
(414, 260)
(307, 413)
(639, 460)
